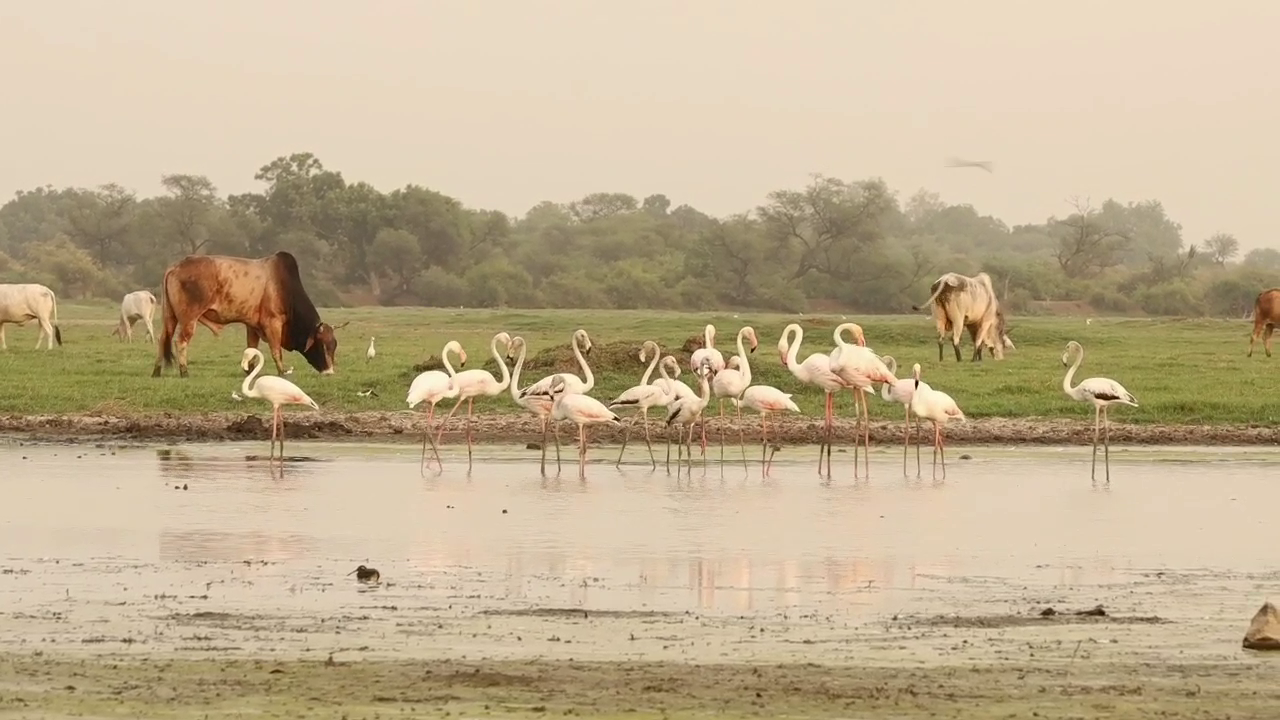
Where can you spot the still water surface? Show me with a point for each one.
(633, 537)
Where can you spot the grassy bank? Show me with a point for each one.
(1182, 371)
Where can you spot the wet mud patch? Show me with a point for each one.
(582, 614)
(1048, 616)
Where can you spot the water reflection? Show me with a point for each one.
(631, 539)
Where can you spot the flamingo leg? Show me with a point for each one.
(866, 433)
(668, 434)
(857, 423)
(906, 439)
(427, 436)
(918, 435)
(625, 436)
(702, 422)
(447, 418)
(742, 440)
(942, 450)
(1106, 441)
(825, 445)
(582, 451)
(280, 419)
(679, 448)
(271, 456)
(721, 436)
(542, 465)
(764, 445)
(1097, 418)
(653, 461)
(555, 431)
(935, 449)
(470, 403)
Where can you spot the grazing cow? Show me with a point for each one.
(1266, 313)
(958, 301)
(263, 294)
(24, 302)
(137, 305)
(987, 343)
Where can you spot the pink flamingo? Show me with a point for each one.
(901, 392)
(859, 367)
(765, 399)
(433, 386)
(815, 370)
(581, 409)
(273, 389)
(730, 383)
(936, 407)
(475, 383)
(643, 396)
(539, 405)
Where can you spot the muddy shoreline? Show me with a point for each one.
(408, 426)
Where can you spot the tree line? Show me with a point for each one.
(831, 245)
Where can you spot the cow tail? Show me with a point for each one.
(57, 331)
(169, 319)
(941, 286)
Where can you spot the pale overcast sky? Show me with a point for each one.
(504, 103)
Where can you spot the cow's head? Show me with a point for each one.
(321, 349)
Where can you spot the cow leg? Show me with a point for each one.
(151, 330)
(1253, 337)
(957, 331)
(185, 334)
(3, 346)
(1266, 338)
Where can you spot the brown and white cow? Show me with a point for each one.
(263, 294)
(958, 302)
(21, 303)
(137, 305)
(1266, 314)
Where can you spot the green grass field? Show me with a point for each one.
(1182, 371)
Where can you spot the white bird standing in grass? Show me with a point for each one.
(643, 397)
(431, 387)
(708, 351)
(476, 383)
(1100, 391)
(685, 412)
(765, 399)
(539, 405)
(275, 390)
(583, 410)
(370, 353)
(900, 391)
(730, 383)
(816, 371)
(936, 407)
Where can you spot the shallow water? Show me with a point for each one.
(97, 545)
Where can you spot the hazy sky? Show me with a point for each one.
(714, 103)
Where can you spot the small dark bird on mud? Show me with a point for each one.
(366, 574)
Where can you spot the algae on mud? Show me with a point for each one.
(48, 686)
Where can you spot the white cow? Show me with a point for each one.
(137, 305)
(21, 303)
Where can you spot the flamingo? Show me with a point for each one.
(765, 399)
(730, 383)
(581, 409)
(273, 389)
(708, 351)
(686, 411)
(643, 396)
(674, 386)
(370, 353)
(900, 391)
(858, 367)
(475, 383)
(936, 407)
(572, 384)
(815, 370)
(433, 386)
(1100, 391)
(539, 405)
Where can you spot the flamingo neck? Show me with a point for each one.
(514, 385)
(1071, 373)
(502, 363)
(648, 373)
(447, 365)
(587, 375)
(745, 368)
(709, 337)
(245, 388)
(793, 350)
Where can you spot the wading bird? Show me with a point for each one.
(730, 383)
(765, 399)
(816, 371)
(366, 575)
(675, 387)
(900, 391)
(370, 353)
(475, 383)
(858, 367)
(582, 410)
(1100, 391)
(685, 412)
(431, 387)
(539, 405)
(936, 407)
(273, 389)
(643, 397)
(707, 352)
(572, 384)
